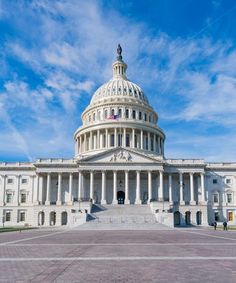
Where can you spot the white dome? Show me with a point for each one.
(119, 87)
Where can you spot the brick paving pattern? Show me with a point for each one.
(178, 255)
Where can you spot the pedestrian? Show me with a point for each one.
(215, 225)
(225, 226)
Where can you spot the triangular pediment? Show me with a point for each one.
(119, 155)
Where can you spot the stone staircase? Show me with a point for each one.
(128, 217)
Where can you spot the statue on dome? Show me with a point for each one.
(119, 51)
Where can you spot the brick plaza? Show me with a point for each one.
(178, 255)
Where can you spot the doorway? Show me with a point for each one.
(121, 197)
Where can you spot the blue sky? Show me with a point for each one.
(54, 54)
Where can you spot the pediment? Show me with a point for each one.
(119, 155)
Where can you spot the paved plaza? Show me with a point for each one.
(178, 255)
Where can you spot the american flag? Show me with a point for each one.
(113, 117)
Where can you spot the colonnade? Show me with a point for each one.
(120, 136)
(103, 173)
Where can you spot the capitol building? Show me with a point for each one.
(120, 161)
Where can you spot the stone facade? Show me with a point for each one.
(119, 160)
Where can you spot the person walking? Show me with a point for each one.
(215, 225)
(225, 226)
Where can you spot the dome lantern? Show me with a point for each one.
(119, 67)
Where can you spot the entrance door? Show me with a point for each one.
(121, 197)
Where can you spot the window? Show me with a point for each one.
(89, 118)
(22, 216)
(9, 198)
(119, 139)
(215, 198)
(146, 143)
(120, 113)
(217, 216)
(127, 140)
(230, 216)
(112, 112)
(105, 114)
(127, 113)
(24, 181)
(94, 116)
(134, 114)
(112, 140)
(145, 117)
(140, 115)
(229, 198)
(228, 181)
(8, 216)
(23, 198)
(10, 181)
(214, 181)
(99, 115)
(149, 119)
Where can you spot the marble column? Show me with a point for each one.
(70, 201)
(48, 193)
(170, 189)
(107, 139)
(141, 138)
(91, 195)
(149, 141)
(80, 144)
(114, 201)
(154, 143)
(181, 189)
(133, 138)
(59, 189)
(149, 186)
(161, 193)
(3, 190)
(127, 201)
(124, 138)
(98, 139)
(79, 186)
(137, 199)
(36, 190)
(103, 199)
(115, 137)
(203, 199)
(91, 141)
(192, 201)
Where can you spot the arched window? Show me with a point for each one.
(134, 114)
(89, 118)
(94, 116)
(112, 112)
(135, 141)
(127, 113)
(105, 115)
(120, 113)
(99, 115)
(145, 117)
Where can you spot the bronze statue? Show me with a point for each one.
(119, 51)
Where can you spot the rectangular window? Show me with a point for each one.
(217, 216)
(140, 115)
(120, 113)
(10, 181)
(145, 117)
(8, 216)
(24, 181)
(127, 140)
(230, 216)
(229, 198)
(22, 216)
(215, 198)
(228, 181)
(9, 198)
(127, 113)
(23, 198)
(112, 140)
(214, 181)
(134, 114)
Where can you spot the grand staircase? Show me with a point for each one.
(128, 217)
